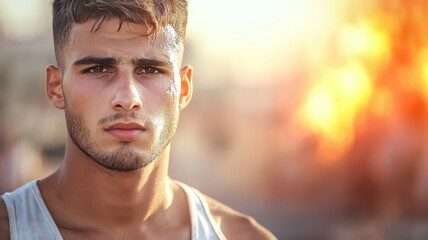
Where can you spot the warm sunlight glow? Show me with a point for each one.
(425, 77)
(381, 103)
(332, 105)
(364, 40)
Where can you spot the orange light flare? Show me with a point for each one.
(367, 41)
(331, 107)
(422, 66)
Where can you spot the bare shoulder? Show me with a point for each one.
(236, 225)
(4, 221)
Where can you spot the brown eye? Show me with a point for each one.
(149, 70)
(97, 69)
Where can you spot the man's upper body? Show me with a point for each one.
(120, 83)
(199, 218)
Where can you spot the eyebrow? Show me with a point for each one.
(109, 61)
(151, 62)
(95, 60)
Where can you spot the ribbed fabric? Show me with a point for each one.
(29, 217)
(203, 224)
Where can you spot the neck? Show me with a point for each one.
(96, 196)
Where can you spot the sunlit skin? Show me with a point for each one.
(122, 93)
(107, 74)
(141, 89)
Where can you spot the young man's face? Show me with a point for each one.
(121, 92)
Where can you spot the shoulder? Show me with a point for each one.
(236, 225)
(4, 221)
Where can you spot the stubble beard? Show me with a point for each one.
(125, 158)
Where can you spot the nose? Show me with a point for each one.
(126, 95)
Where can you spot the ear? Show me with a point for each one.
(186, 74)
(54, 87)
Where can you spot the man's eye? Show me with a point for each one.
(149, 70)
(97, 69)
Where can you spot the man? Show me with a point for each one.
(121, 87)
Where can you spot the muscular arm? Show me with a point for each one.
(235, 225)
(4, 221)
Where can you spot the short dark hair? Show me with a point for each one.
(154, 13)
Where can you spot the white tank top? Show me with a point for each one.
(29, 217)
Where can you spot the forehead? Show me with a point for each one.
(128, 40)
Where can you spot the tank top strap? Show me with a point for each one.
(204, 226)
(29, 217)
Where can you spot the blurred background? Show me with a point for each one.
(310, 116)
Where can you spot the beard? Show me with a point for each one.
(125, 158)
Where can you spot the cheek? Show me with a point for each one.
(84, 103)
(172, 90)
(173, 97)
(77, 92)
(173, 86)
(165, 94)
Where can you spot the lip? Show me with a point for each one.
(125, 131)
